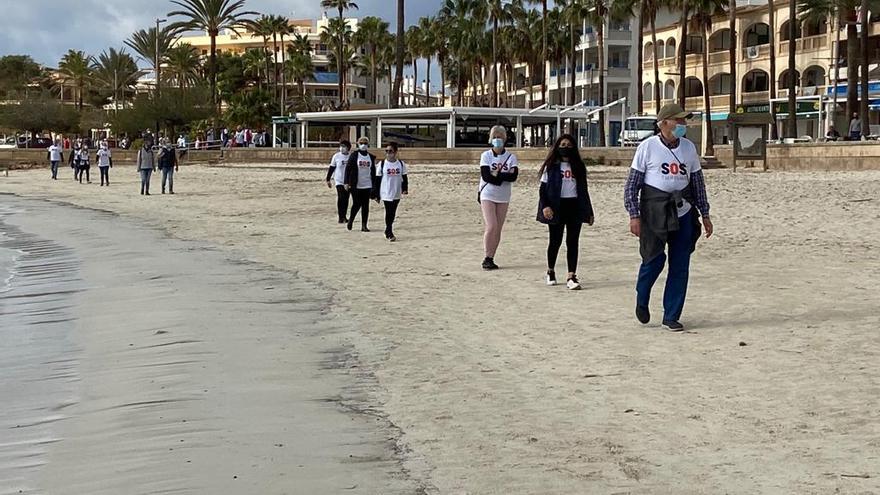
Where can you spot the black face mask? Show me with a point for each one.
(568, 153)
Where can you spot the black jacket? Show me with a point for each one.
(550, 194)
(659, 217)
(351, 169)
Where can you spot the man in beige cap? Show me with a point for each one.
(664, 185)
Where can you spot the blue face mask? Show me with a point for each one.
(680, 130)
(497, 143)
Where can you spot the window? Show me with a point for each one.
(720, 41)
(757, 34)
(721, 84)
(618, 59)
(694, 44)
(755, 81)
(693, 87)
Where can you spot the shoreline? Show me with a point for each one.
(178, 406)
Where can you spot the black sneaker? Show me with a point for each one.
(489, 264)
(364, 229)
(349, 225)
(550, 278)
(673, 326)
(643, 314)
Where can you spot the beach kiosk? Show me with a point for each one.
(749, 132)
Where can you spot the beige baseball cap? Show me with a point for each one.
(673, 111)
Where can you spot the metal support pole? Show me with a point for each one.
(450, 131)
(274, 133)
(379, 133)
(519, 131)
(304, 138)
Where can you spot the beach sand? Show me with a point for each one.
(498, 384)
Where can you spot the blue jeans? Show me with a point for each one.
(168, 176)
(679, 266)
(55, 169)
(146, 173)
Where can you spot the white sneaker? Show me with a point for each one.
(573, 283)
(550, 278)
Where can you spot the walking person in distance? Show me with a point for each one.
(336, 177)
(146, 164)
(391, 181)
(665, 194)
(55, 155)
(360, 174)
(105, 161)
(498, 172)
(564, 205)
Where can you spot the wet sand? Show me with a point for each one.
(499, 384)
(135, 363)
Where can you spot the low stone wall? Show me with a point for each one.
(807, 156)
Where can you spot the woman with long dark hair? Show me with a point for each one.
(564, 205)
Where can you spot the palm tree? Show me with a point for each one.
(792, 68)
(254, 64)
(650, 10)
(685, 8)
(299, 64)
(145, 44)
(338, 35)
(703, 12)
(263, 28)
(211, 16)
(115, 70)
(771, 9)
(497, 14)
(76, 69)
(372, 33)
(545, 46)
(401, 47)
(284, 29)
(341, 7)
(440, 46)
(183, 67)
(734, 83)
(426, 48)
(413, 51)
(863, 39)
(557, 45)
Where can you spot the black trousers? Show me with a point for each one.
(105, 175)
(390, 214)
(360, 200)
(341, 202)
(86, 170)
(567, 222)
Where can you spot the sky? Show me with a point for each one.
(46, 29)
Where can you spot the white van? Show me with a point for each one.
(636, 129)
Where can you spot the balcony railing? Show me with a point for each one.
(757, 96)
(719, 57)
(808, 44)
(719, 101)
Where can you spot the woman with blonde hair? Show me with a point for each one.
(498, 170)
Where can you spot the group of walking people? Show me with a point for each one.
(360, 177)
(148, 160)
(664, 195)
(79, 160)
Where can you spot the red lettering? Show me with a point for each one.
(673, 168)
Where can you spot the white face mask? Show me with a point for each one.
(363, 147)
(343, 150)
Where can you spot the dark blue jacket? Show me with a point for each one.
(551, 192)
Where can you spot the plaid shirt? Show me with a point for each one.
(636, 181)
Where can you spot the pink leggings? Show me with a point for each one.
(494, 215)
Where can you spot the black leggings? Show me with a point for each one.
(341, 202)
(105, 175)
(390, 213)
(360, 199)
(86, 171)
(567, 220)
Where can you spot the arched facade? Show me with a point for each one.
(784, 79)
(719, 41)
(755, 81)
(670, 48)
(757, 34)
(720, 84)
(648, 92)
(784, 34)
(648, 53)
(669, 90)
(814, 76)
(693, 87)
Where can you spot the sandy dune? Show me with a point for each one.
(502, 385)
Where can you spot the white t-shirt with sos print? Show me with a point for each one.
(503, 163)
(340, 161)
(667, 169)
(392, 179)
(364, 163)
(569, 183)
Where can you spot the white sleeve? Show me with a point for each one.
(333, 160)
(544, 177)
(638, 162)
(380, 168)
